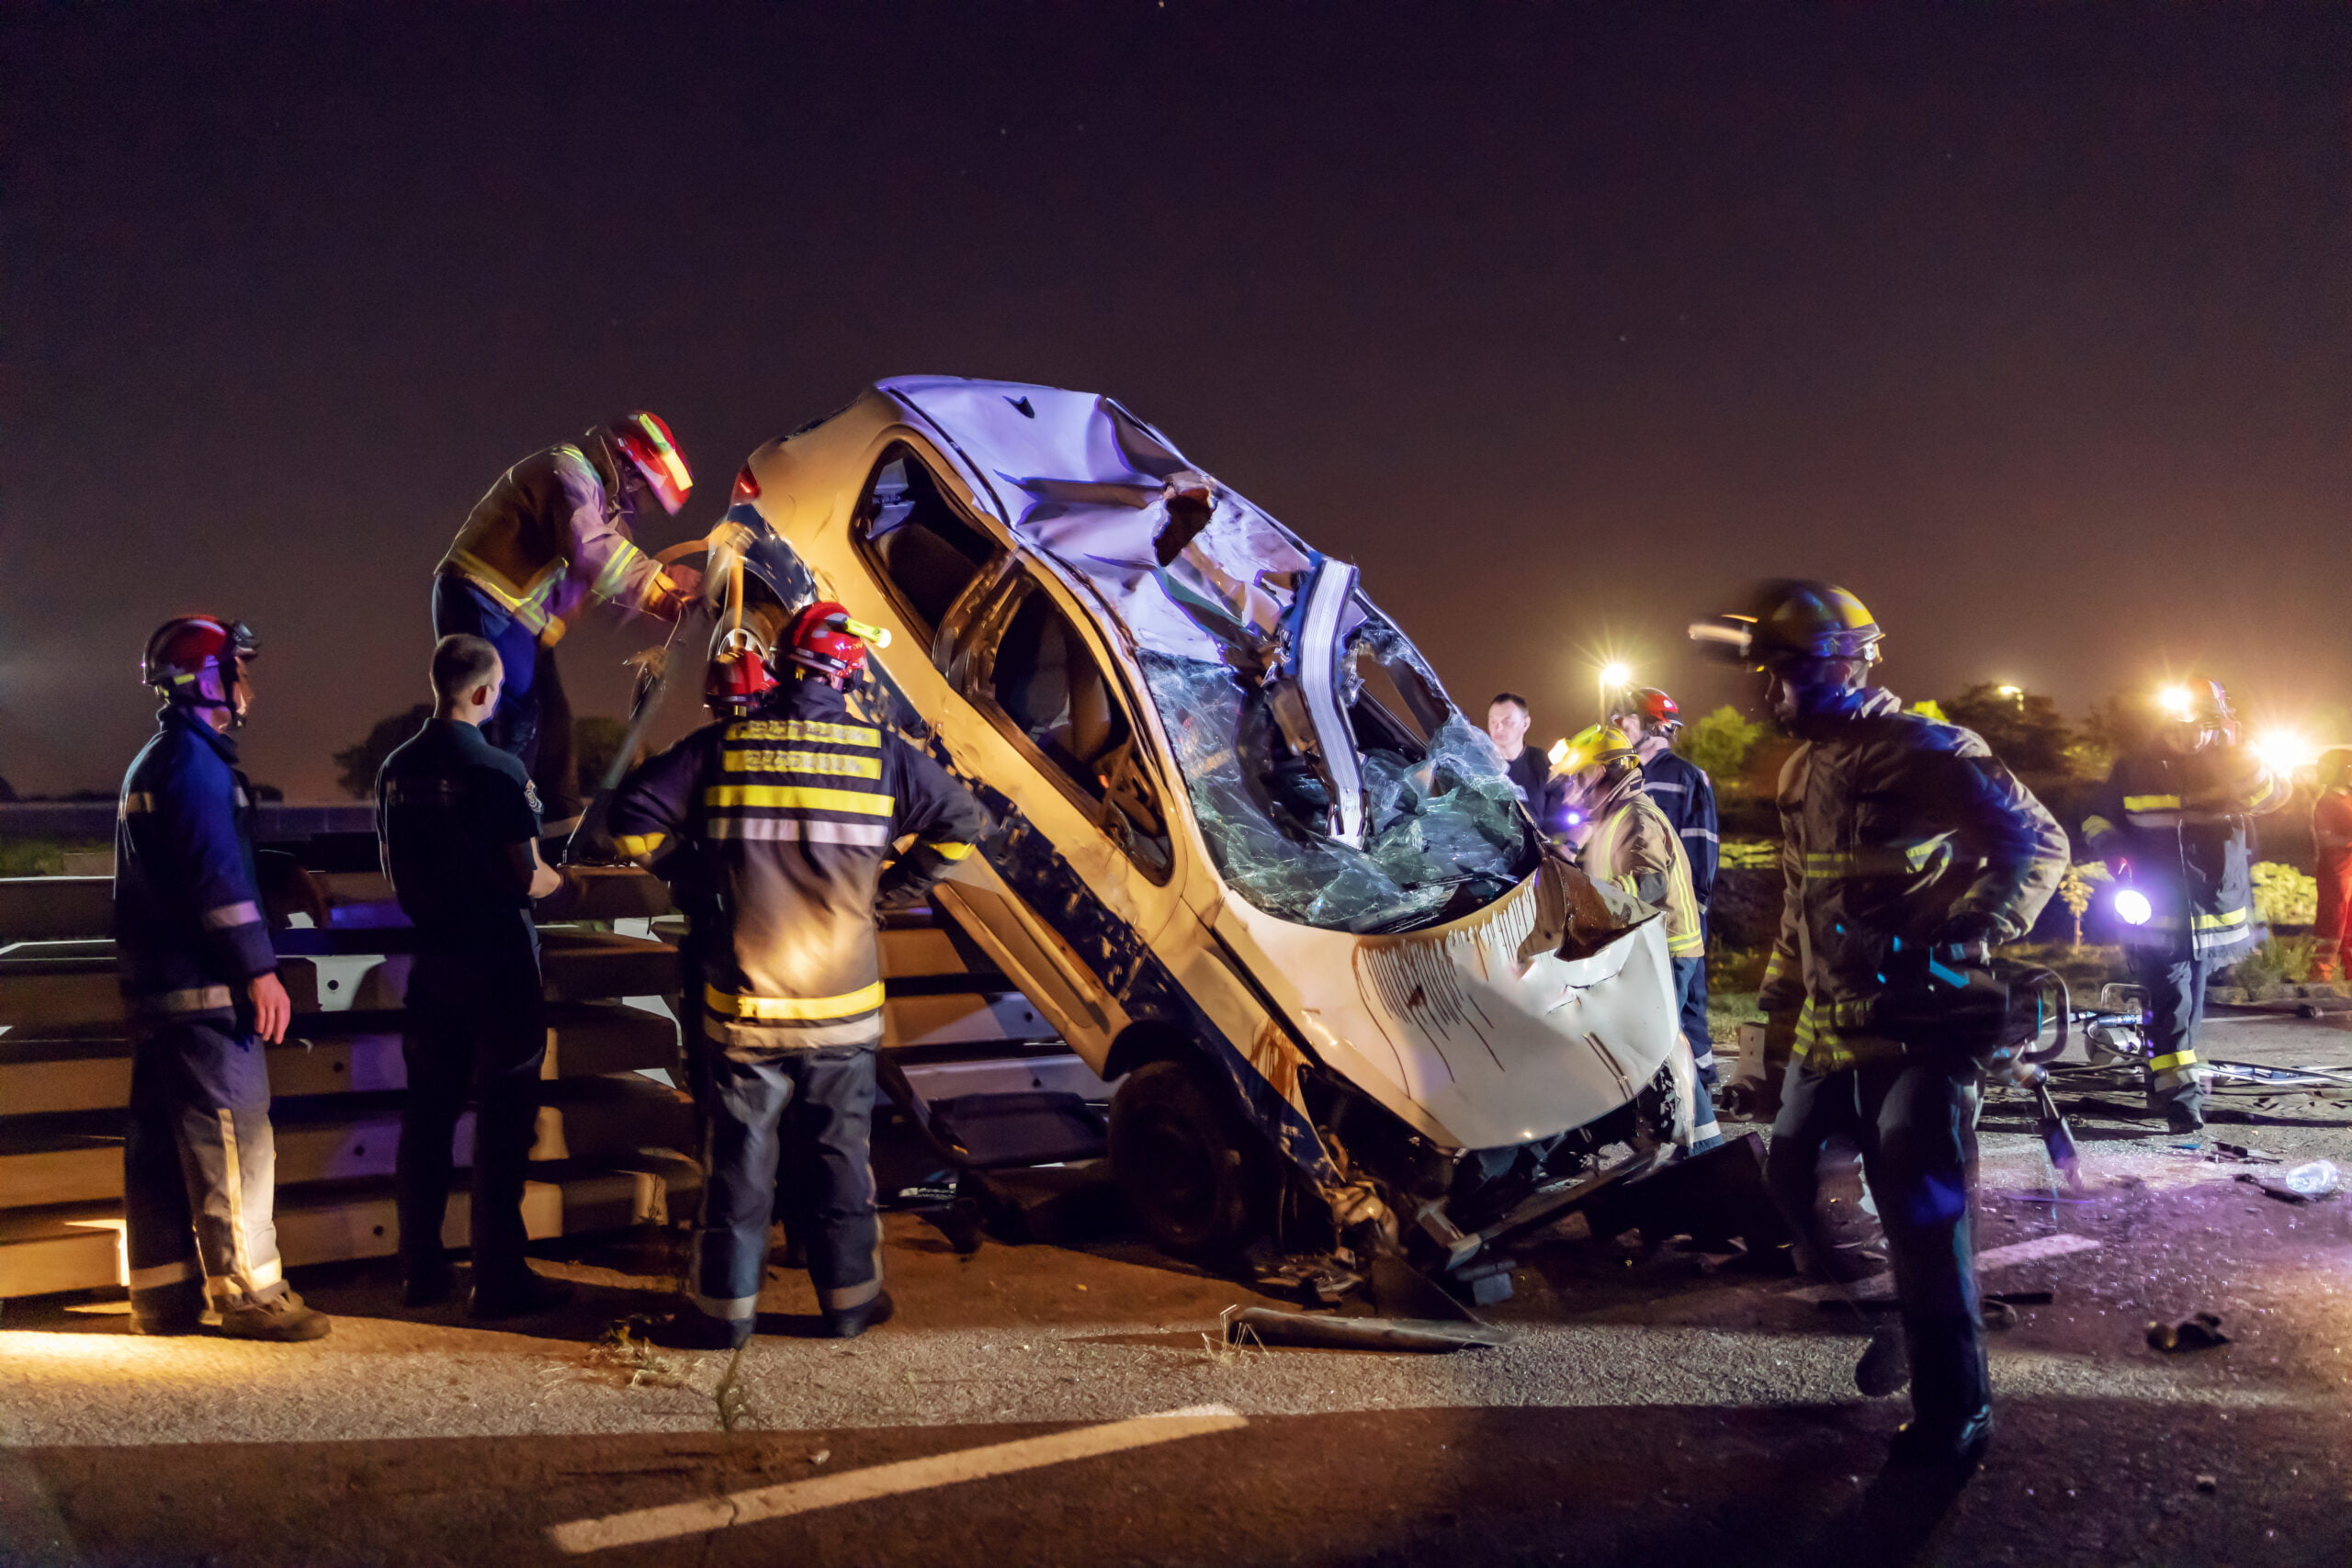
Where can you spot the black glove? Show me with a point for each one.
(1973, 929)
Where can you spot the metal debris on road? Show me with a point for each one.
(2201, 1332)
(1268, 1327)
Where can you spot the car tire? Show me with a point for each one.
(1193, 1176)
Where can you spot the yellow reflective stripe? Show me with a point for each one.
(530, 606)
(637, 846)
(2178, 1059)
(947, 851)
(1874, 860)
(802, 797)
(2094, 827)
(868, 767)
(2152, 803)
(866, 998)
(2222, 922)
(815, 730)
(618, 566)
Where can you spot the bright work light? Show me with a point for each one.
(2285, 750)
(2132, 907)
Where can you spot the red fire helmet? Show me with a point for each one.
(186, 648)
(822, 638)
(645, 439)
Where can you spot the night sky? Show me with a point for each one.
(2028, 324)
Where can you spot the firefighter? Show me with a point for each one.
(780, 822)
(457, 826)
(550, 540)
(1628, 842)
(2171, 823)
(2332, 836)
(1686, 797)
(199, 977)
(1902, 838)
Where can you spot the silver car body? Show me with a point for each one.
(1127, 945)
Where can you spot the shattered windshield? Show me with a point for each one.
(1443, 833)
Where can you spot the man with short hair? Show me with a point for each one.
(458, 824)
(199, 976)
(1529, 769)
(1685, 797)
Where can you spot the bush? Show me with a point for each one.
(356, 766)
(1719, 745)
(2283, 896)
(2286, 960)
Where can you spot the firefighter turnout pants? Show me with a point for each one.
(533, 720)
(794, 1126)
(474, 1030)
(2176, 989)
(1914, 1121)
(200, 1173)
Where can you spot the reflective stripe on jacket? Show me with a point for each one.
(1889, 827)
(778, 825)
(189, 927)
(2178, 822)
(548, 541)
(1634, 847)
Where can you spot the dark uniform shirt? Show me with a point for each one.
(188, 923)
(780, 822)
(449, 808)
(1686, 796)
(1531, 774)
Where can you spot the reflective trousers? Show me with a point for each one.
(473, 1029)
(2327, 927)
(533, 720)
(1914, 1121)
(1691, 1001)
(200, 1172)
(2176, 989)
(809, 1117)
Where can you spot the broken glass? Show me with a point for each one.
(1443, 835)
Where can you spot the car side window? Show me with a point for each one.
(1044, 680)
(926, 549)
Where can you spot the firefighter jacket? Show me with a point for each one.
(2177, 821)
(1891, 825)
(189, 928)
(1686, 797)
(1634, 847)
(549, 541)
(2332, 836)
(779, 823)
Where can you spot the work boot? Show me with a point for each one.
(851, 1322)
(691, 1328)
(166, 1323)
(428, 1284)
(168, 1309)
(518, 1297)
(281, 1317)
(2185, 1118)
(1956, 1446)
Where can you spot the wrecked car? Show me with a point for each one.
(1245, 855)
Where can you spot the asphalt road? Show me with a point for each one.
(1655, 1407)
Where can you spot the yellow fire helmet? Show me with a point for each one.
(1597, 744)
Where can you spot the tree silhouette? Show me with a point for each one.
(356, 766)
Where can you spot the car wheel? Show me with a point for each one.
(1190, 1172)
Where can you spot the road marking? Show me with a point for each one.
(1877, 1285)
(888, 1480)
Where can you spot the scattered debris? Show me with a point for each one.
(1268, 1327)
(2241, 1153)
(821, 1456)
(1313, 1281)
(624, 1348)
(1997, 1313)
(2304, 1184)
(2201, 1332)
(1231, 1343)
(2209, 1483)
(733, 1399)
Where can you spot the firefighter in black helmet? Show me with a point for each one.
(2171, 824)
(1901, 837)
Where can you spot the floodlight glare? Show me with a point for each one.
(2284, 750)
(2132, 907)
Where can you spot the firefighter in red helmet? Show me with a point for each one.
(2332, 836)
(552, 539)
(776, 825)
(200, 977)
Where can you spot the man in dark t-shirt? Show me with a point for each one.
(457, 823)
(1529, 767)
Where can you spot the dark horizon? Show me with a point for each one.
(2028, 325)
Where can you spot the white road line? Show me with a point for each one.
(2055, 1246)
(888, 1480)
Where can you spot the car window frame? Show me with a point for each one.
(970, 671)
(945, 637)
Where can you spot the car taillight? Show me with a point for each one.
(746, 487)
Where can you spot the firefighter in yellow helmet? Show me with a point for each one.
(1903, 839)
(1624, 840)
